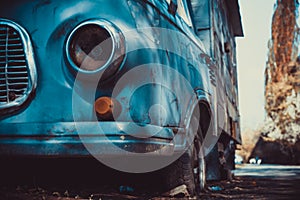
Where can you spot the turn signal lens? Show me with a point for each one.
(107, 108)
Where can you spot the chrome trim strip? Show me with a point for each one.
(29, 58)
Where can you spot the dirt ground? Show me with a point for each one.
(239, 188)
(48, 182)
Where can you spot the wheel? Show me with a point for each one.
(199, 160)
(200, 170)
(189, 169)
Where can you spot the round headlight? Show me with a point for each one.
(90, 47)
(95, 46)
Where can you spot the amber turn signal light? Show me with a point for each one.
(105, 107)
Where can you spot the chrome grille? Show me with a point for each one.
(17, 70)
(13, 69)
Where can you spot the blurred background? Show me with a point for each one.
(269, 81)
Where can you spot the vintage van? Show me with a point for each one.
(141, 85)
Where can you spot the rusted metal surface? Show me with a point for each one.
(46, 121)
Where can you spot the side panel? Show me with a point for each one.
(225, 57)
(213, 26)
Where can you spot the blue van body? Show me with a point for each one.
(47, 102)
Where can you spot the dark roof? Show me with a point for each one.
(235, 17)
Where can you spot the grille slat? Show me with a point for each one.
(11, 45)
(11, 68)
(18, 73)
(11, 40)
(14, 74)
(21, 51)
(14, 79)
(22, 56)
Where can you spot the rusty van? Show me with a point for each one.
(141, 85)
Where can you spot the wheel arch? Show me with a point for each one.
(202, 109)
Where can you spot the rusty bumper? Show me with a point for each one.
(70, 139)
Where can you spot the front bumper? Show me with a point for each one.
(70, 139)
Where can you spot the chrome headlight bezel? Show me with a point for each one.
(117, 54)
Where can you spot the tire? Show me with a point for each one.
(202, 172)
(199, 161)
(189, 169)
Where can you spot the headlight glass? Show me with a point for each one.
(96, 46)
(90, 47)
